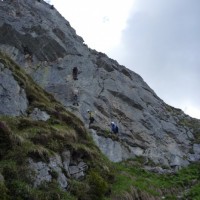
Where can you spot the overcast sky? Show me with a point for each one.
(158, 39)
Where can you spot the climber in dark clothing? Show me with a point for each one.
(26, 50)
(91, 117)
(27, 53)
(114, 127)
(75, 97)
(75, 73)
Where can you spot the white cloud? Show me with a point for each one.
(162, 44)
(48, 1)
(99, 22)
(192, 111)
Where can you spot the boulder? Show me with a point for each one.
(13, 100)
(41, 172)
(114, 150)
(39, 115)
(57, 168)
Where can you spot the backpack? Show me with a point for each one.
(116, 129)
(113, 128)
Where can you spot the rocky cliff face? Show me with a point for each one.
(40, 40)
(44, 148)
(9, 88)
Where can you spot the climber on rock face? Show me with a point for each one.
(27, 53)
(114, 128)
(75, 97)
(75, 73)
(91, 117)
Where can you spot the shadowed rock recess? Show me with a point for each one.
(36, 37)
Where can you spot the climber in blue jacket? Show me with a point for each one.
(114, 127)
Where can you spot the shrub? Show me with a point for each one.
(19, 190)
(4, 192)
(194, 192)
(5, 139)
(10, 171)
(98, 186)
(79, 189)
(51, 191)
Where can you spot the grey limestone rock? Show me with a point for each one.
(41, 170)
(39, 115)
(13, 100)
(114, 150)
(196, 152)
(178, 161)
(76, 172)
(196, 148)
(1, 178)
(44, 171)
(56, 165)
(66, 157)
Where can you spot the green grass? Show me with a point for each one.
(133, 176)
(39, 140)
(128, 176)
(194, 193)
(22, 138)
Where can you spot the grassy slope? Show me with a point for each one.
(21, 137)
(132, 181)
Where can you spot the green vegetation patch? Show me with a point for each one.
(132, 179)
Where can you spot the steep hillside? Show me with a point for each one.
(47, 149)
(46, 153)
(40, 40)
